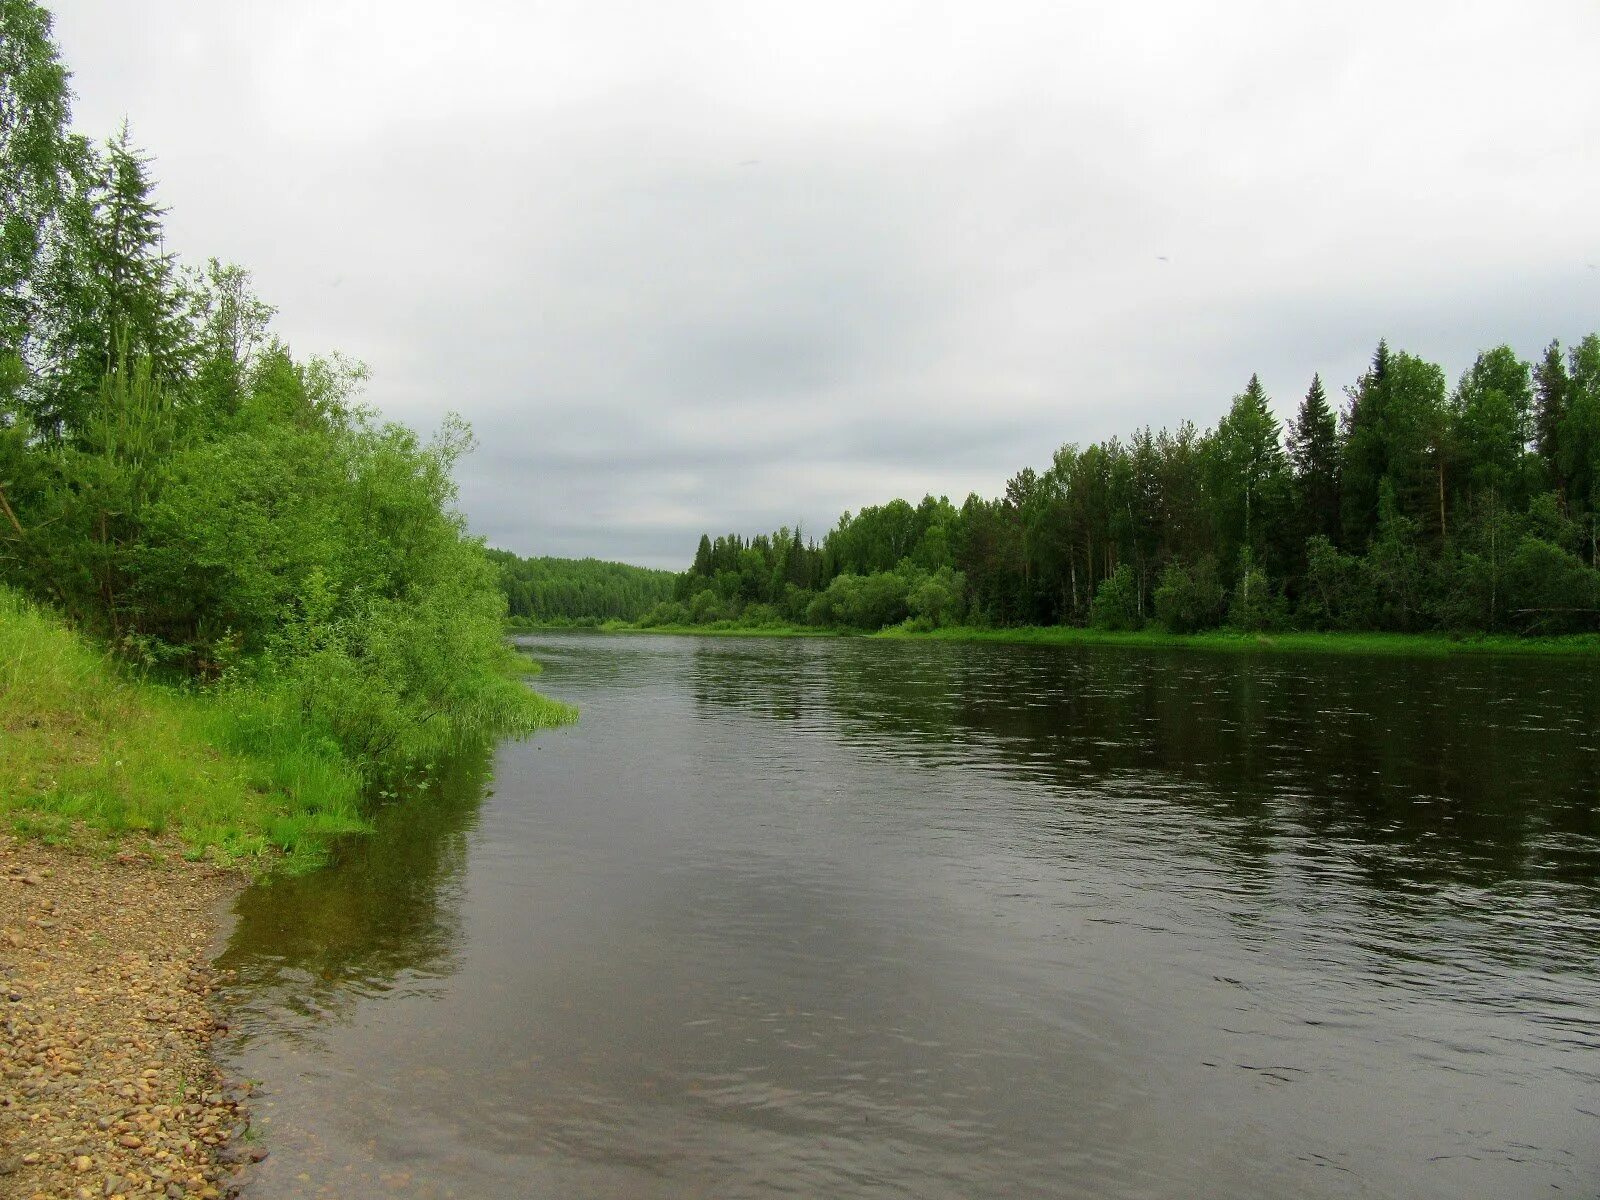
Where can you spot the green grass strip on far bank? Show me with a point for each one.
(1408, 645)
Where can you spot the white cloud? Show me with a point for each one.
(728, 265)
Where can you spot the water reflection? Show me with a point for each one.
(1477, 770)
(862, 919)
(384, 919)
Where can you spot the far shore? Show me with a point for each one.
(1400, 645)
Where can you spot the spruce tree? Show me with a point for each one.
(109, 289)
(1313, 438)
(1364, 461)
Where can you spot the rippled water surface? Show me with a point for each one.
(849, 918)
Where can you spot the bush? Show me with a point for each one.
(937, 599)
(1116, 602)
(704, 608)
(293, 543)
(1550, 590)
(867, 602)
(1256, 606)
(668, 612)
(1338, 592)
(759, 616)
(1189, 599)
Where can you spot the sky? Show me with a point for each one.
(731, 266)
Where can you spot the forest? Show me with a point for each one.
(578, 591)
(227, 520)
(1412, 506)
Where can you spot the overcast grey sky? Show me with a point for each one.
(726, 266)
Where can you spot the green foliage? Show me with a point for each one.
(37, 155)
(1337, 592)
(1189, 598)
(668, 612)
(1313, 450)
(1256, 606)
(87, 744)
(1250, 478)
(557, 590)
(937, 599)
(862, 601)
(1401, 514)
(219, 514)
(1116, 603)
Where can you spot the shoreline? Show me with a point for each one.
(108, 1086)
(1393, 645)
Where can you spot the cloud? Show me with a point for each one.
(720, 266)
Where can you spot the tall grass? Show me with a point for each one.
(236, 773)
(85, 747)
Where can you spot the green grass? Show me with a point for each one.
(714, 629)
(731, 629)
(92, 755)
(1410, 645)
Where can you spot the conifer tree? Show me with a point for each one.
(109, 288)
(1364, 459)
(1313, 438)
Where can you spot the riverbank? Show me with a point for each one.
(107, 1087)
(131, 812)
(91, 752)
(1406, 645)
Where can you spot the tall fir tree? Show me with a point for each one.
(1313, 441)
(1364, 461)
(109, 291)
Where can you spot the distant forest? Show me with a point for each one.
(579, 590)
(1411, 506)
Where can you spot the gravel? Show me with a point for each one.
(107, 1087)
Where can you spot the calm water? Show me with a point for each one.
(837, 919)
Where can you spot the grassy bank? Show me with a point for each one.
(1409, 645)
(713, 629)
(90, 752)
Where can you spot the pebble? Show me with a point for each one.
(107, 1087)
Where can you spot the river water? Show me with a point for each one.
(855, 918)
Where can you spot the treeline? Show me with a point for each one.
(177, 483)
(547, 591)
(1413, 506)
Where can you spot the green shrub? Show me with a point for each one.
(1116, 602)
(1188, 599)
(1256, 606)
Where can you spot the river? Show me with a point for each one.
(847, 918)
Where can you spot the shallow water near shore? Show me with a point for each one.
(854, 918)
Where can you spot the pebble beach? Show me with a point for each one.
(107, 1086)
